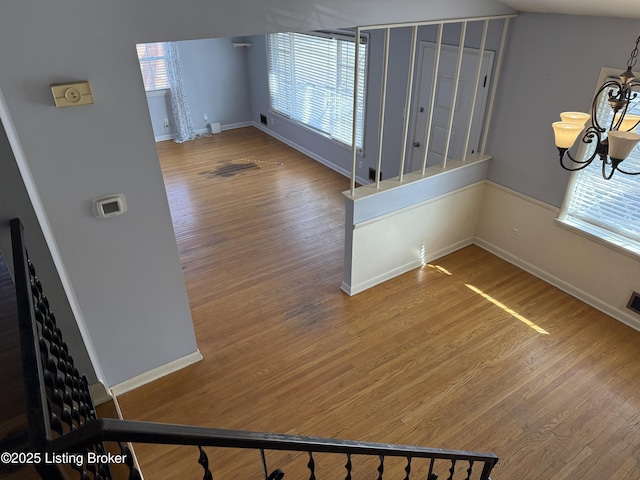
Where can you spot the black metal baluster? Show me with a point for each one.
(452, 470)
(275, 475)
(204, 462)
(312, 467)
(264, 464)
(431, 475)
(134, 474)
(348, 466)
(381, 467)
(469, 470)
(408, 468)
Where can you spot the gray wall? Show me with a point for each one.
(126, 271)
(552, 65)
(15, 202)
(216, 81)
(399, 50)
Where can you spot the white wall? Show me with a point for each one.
(336, 155)
(216, 82)
(588, 270)
(551, 65)
(125, 271)
(399, 227)
(14, 202)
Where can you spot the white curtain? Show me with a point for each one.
(179, 104)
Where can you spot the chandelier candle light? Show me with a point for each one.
(620, 137)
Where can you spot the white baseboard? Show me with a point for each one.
(310, 154)
(204, 131)
(231, 126)
(99, 393)
(163, 138)
(150, 376)
(372, 282)
(581, 295)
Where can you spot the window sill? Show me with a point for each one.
(158, 93)
(314, 131)
(602, 236)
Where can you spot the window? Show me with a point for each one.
(607, 209)
(311, 82)
(153, 64)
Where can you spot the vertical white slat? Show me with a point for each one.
(495, 83)
(383, 102)
(463, 35)
(407, 105)
(356, 79)
(432, 101)
(475, 91)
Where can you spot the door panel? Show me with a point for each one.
(442, 104)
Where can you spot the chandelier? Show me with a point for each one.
(620, 138)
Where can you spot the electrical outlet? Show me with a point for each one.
(360, 165)
(205, 117)
(166, 123)
(515, 233)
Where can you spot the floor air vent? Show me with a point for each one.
(634, 302)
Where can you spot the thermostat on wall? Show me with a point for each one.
(110, 206)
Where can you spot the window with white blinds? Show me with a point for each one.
(153, 64)
(311, 82)
(609, 209)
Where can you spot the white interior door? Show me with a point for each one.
(442, 103)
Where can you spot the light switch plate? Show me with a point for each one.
(72, 94)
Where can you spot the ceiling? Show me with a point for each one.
(602, 8)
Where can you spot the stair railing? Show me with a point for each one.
(63, 423)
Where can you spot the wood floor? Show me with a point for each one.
(468, 352)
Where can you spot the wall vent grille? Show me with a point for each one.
(634, 303)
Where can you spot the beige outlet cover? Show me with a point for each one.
(72, 94)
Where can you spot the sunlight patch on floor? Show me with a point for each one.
(529, 323)
(438, 268)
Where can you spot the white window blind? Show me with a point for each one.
(609, 209)
(153, 64)
(311, 81)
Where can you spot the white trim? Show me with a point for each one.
(309, 153)
(162, 92)
(156, 373)
(581, 295)
(116, 404)
(352, 290)
(232, 126)
(522, 196)
(420, 204)
(47, 231)
(205, 131)
(99, 393)
(163, 138)
(599, 235)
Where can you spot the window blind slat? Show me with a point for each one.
(311, 81)
(153, 65)
(613, 205)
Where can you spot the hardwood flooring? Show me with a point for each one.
(451, 355)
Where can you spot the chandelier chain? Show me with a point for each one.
(634, 56)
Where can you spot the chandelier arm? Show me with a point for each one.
(626, 172)
(634, 56)
(594, 104)
(581, 162)
(604, 171)
(614, 166)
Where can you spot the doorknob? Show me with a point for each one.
(416, 144)
(421, 109)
